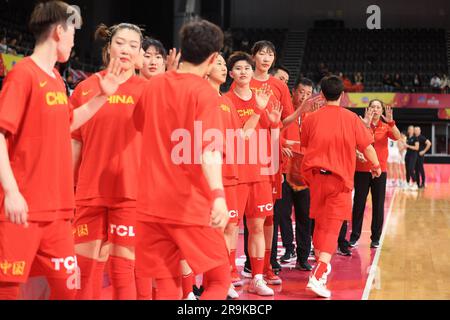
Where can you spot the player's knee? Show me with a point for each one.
(268, 222)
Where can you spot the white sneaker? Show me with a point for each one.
(232, 294)
(191, 296)
(324, 278)
(247, 275)
(260, 287)
(318, 287)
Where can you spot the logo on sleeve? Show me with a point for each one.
(85, 93)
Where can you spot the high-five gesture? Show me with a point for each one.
(275, 115)
(173, 59)
(109, 83)
(262, 96)
(389, 114)
(368, 116)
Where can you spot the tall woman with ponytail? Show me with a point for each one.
(36, 182)
(106, 153)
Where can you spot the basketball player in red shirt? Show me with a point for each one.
(156, 60)
(181, 201)
(255, 196)
(235, 130)
(36, 178)
(331, 137)
(264, 56)
(107, 151)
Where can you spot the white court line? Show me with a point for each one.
(374, 266)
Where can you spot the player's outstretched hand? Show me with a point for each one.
(16, 208)
(173, 59)
(262, 96)
(368, 116)
(109, 83)
(389, 114)
(219, 214)
(275, 115)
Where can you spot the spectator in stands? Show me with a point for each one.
(281, 73)
(398, 82)
(348, 85)
(359, 82)
(435, 83)
(3, 46)
(387, 83)
(12, 46)
(417, 83)
(445, 84)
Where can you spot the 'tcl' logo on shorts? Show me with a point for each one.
(122, 231)
(233, 213)
(69, 263)
(266, 207)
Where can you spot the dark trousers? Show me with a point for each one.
(377, 186)
(282, 219)
(420, 171)
(410, 165)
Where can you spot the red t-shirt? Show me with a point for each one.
(173, 112)
(36, 113)
(381, 133)
(231, 122)
(254, 154)
(111, 145)
(281, 93)
(330, 137)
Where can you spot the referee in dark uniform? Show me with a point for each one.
(424, 146)
(412, 147)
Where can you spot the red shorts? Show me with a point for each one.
(42, 249)
(330, 197)
(326, 234)
(160, 247)
(231, 194)
(256, 199)
(114, 225)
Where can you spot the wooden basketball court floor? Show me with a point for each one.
(413, 261)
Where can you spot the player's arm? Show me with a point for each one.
(76, 158)
(212, 169)
(394, 134)
(16, 208)
(109, 83)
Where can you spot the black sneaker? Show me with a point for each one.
(197, 291)
(303, 266)
(276, 267)
(289, 256)
(247, 272)
(375, 244)
(353, 244)
(344, 251)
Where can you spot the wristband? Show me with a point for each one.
(391, 124)
(217, 193)
(275, 126)
(258, 111)
(375, 168)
